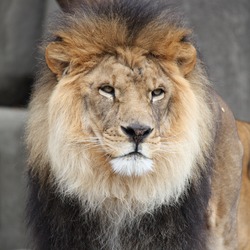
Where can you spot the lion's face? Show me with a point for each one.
(128, 108)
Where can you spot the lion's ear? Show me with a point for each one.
(57, 58)
(186, 57)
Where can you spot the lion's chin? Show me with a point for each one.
(132, 165)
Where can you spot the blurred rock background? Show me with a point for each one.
(221, 30)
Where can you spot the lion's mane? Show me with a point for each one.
(74, 191)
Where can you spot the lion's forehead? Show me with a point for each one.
(121, 74)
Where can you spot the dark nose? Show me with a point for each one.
(137, 132)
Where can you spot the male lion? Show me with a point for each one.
(130, 147)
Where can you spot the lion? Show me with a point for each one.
(129, 145)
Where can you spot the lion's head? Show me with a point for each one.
(120, 111)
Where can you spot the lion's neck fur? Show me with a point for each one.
(69, 222)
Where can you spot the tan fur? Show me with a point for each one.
(72, 141)
(244, 206)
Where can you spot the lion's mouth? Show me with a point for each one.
(134, 154)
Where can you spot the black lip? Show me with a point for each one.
(134, 153)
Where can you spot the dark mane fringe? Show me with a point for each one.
(134, 14)
(58, 222)
(92, 29)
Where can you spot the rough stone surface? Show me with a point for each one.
(222, 32)
(20, 31)
(12, 181)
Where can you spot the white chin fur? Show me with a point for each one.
(132, 165)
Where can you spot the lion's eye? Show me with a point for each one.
(107, 91)
(157, 94)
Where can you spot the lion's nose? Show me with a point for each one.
(137, 132)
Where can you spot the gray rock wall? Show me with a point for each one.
(222, 33)
(21, 25)
(12, 181)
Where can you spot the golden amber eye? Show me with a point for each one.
(107, 91)
(157, 94)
